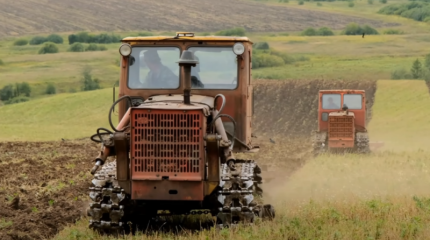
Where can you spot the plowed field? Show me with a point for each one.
(34, 16)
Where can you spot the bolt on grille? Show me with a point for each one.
(341, 127)
(167, 141)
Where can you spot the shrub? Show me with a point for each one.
(23, 88)
(301, 2)
(383, 1)
(266, 60)
(21, 42)
(355, 29)
(392, 32)
(232, 32)
(88, 83)
(37, 40)
(50, 89)
(351, 4)
(17, 100)
(84, 37)
(284, 1)
(55, 38)
(416, 69)
(325, 31)
(1, 62)
(95, 47)
(10, 91)
(400, 74)
(261, 45)
(418, 11)
(309, 32)
(77, 47)
(370, 2)
(7, 92)
(319, 4)
(48, 47)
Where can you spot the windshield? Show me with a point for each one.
(331, 101)
(352, 101)
(217, 68)
(154, 68)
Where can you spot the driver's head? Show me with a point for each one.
(330, 100)
(151, 58)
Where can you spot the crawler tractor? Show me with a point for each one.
(184, 108)
(341, 122)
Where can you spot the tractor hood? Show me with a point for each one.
(341, 114)
(176, 102)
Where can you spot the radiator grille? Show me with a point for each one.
(167, 141)
(341, 127)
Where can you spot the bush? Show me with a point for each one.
(266, 60)
(77, 47)
(95, 47)
(10, 91)
(355, 29)
(309, 32)
(261, 45)
(383, 1)
(400, 74)
(55, 38)
(392, 32)
(416, 69)
(88, 83)
(319, 4)
(284, 1)
(301, 2)
(418, 11)
(84, 37)
(325, 31)
(1, 62)
(50, 89)
(351, 4)
(21, 42)
(232, 32)
(48, 47)
(37, 40)
(370, 2)
(17, 100)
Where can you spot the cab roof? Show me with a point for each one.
(181, 36)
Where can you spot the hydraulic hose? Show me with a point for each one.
(111, 110)
(234, 125)
(222, 106)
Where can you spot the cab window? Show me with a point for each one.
(331, 101)
(217, 68)
(353, 101)
(154, 68)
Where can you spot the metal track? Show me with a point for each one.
(362, 142)
(107, 208)
(319, 143)
(238, 186)
(240, 190)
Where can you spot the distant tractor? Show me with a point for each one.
(173, 152)
(341, 122)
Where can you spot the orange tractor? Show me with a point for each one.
(185, 106)
(341, 122)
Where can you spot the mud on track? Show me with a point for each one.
(51, 179)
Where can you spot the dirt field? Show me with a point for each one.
(33, 16)
(51, 179)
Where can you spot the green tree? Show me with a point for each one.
(50, 89)
(48, 47)
(6, 92)
(24, 88)
(416, 69)
(88, 83)
(55, 38)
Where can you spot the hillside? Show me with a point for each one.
(33, 16)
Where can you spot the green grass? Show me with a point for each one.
(66, 116)
(400, 115)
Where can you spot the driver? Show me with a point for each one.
(159, 76)
(331, 104)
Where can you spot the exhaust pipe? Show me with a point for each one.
(187, 61)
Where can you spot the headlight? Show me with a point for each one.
(125, 50)
(238, 48)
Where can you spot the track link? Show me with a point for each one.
(238, 186)
(362, 142)
(106, 209)
(319, 143)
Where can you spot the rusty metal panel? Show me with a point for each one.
(122, 157)
(167, 144)
(341, 127)
(341, 143)
(167, 190)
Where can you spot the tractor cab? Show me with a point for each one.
(150, 71)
